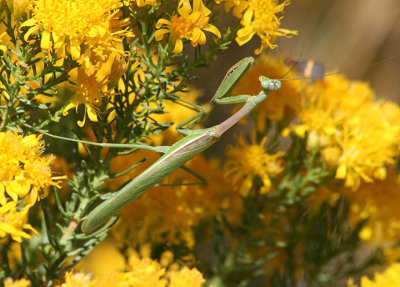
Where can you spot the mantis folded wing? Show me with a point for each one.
(182, 151)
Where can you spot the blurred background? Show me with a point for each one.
(360, 38)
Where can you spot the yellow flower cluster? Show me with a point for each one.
(18, 283)
(258, 17)
(24, 178)
(69, 25)
(389, 278)
(379, 202)
(13, 221)
(140, 3)
(141, 271)
(188, 24)
(245, 162)
(146, 273)
(24, 171)
(90, 32)
(355, 133)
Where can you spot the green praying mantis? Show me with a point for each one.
(175, 156)
(195, 142)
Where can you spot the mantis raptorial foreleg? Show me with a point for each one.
(182, 151)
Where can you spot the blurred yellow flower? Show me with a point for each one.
(18, 7)
(13, 255)
(389, 278)
(186, 278)
(189, 24)
(245, 162)
(103, 259)
(140, 271)
(258, 17)
(77, 279)
(18, 283)
(379, 202)
(145, 272)
(141, 3)
(24, 172)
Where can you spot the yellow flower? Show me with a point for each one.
(189, 24)
(245, 162)
(18, 7)
(13, 222)
(145, 273)
(389, 278)
(76, 280)
(70, 25)
(140, 3)
(19, 283)
(140, 271)
(89, 93)
(104, 258)
(24, 173)
(259, 17)
(284, 103)
(355, 133)
(369, 143)
(186, 278)
(379, 202)
(13, 254)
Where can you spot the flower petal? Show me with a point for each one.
(178, 46)
(159, 34)
(161, 22)
(212, 29)
(45, 43)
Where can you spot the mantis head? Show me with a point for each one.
(270, 84)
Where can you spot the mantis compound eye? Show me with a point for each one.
(270, 84)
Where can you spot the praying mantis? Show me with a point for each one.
(194, 142)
